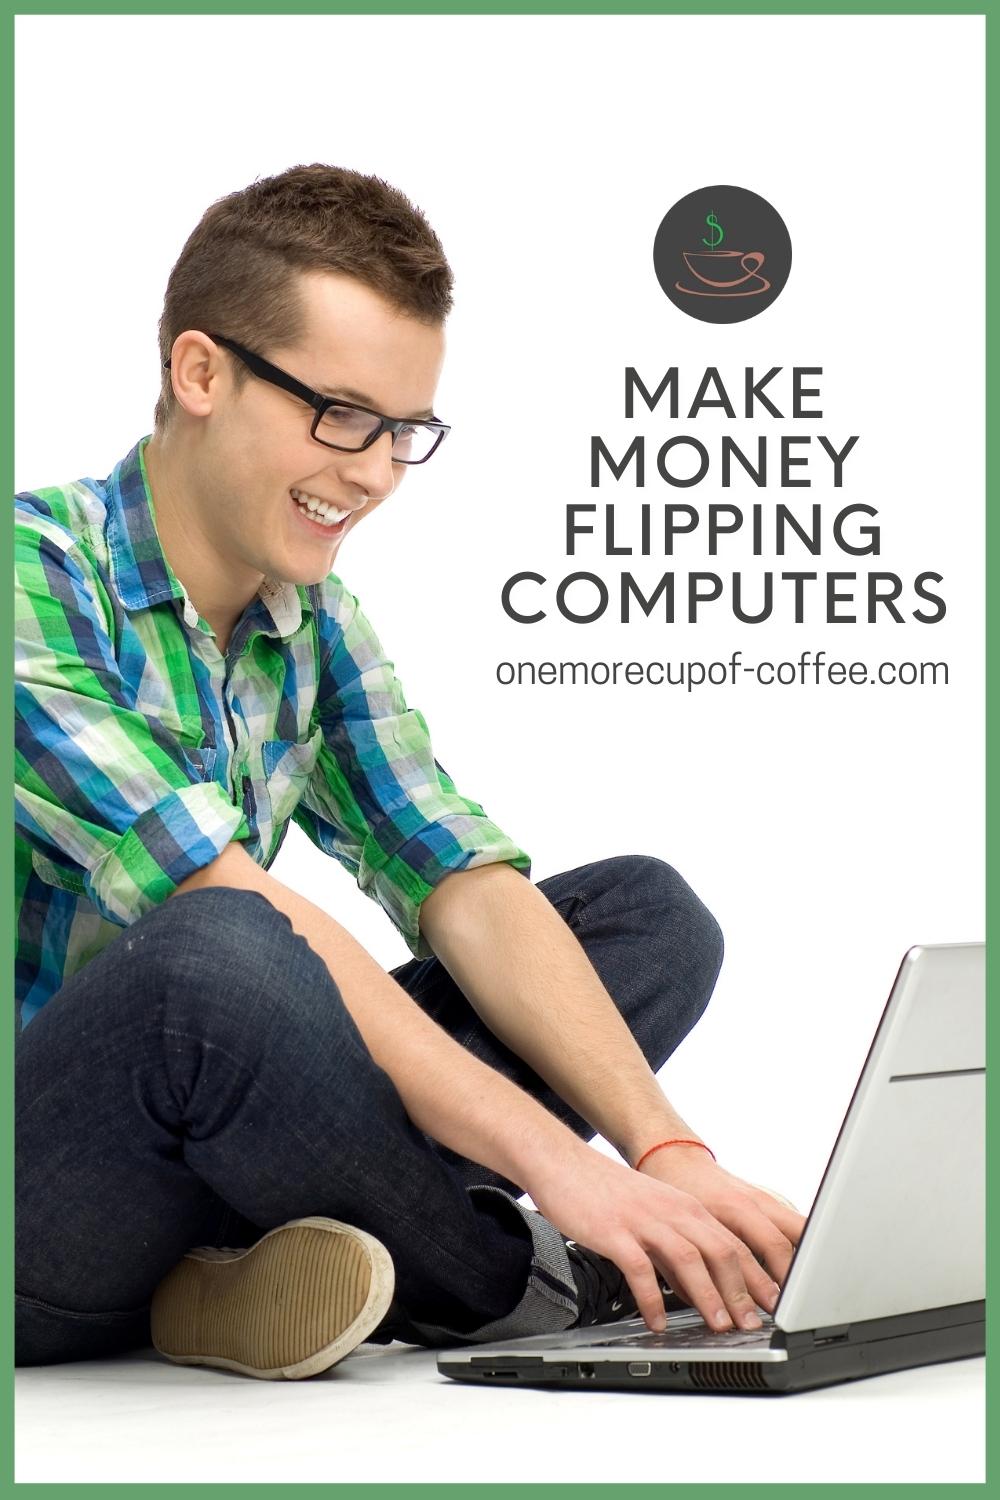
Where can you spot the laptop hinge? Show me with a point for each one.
(872, 1329)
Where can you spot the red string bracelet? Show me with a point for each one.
(660, 1144)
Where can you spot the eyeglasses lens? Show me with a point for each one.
(343, 427)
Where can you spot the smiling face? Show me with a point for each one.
(228, 465)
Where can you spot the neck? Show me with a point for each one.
(219, 587)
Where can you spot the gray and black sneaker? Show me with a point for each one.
(603, 1294)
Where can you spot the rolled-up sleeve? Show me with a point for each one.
(377, 799)
(112, 806)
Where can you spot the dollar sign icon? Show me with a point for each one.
(714, 225)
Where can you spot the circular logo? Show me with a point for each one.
(722, 254)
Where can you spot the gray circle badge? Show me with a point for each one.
(722, 254)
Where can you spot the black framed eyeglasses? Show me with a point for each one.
(343, 424)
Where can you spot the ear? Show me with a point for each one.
(198, 372)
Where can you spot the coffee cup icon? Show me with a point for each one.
(726, 270)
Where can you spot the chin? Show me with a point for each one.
(302, 571)
(301, 577)
(317, 576)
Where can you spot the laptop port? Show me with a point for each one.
(640, 1367)
(830, 1338)
(586, 1372)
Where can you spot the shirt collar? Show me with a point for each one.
(143, 576)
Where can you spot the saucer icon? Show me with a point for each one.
(724, 273)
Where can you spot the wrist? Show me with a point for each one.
(660, 1150)
(661, 1125)
(553, 1161)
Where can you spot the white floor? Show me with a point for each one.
(384, 1414)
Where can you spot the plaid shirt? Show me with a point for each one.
(142, 751)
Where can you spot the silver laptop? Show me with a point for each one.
(890, 1270)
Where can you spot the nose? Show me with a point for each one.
(372, 469)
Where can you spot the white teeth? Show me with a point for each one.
(321, 510)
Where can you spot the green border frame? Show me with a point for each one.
(438, 7)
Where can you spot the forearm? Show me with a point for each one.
(449, 1094)
(523, 969)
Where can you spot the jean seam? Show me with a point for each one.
(72, 1312)
(579, 906)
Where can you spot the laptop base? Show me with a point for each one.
(826, 1357)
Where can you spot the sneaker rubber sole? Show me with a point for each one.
(289, 1306)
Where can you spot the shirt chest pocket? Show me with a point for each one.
(287, 766)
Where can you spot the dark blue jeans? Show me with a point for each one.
(201, 1081)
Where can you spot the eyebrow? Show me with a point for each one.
(346, 393)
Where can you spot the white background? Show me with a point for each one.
(828, 829)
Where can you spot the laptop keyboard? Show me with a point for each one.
(693, 1333)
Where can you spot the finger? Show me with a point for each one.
(638, 1270)
(788, 1220)
(682, 1264)
(727, 1274)
(756, 1230)
(763, 1288)
(729, 1263)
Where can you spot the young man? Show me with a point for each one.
(236, 1134)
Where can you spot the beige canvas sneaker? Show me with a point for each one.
(296, 1302)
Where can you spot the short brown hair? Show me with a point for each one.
(235, 274)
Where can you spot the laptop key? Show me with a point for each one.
(695, 1335)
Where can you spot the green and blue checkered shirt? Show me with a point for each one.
(142, 750)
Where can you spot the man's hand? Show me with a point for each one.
(648, 1228)
(761, 1221)
(654, 1229)
(522, 968)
